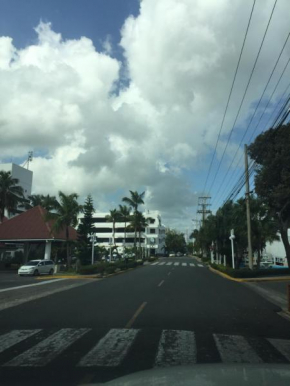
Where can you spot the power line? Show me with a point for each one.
(245, 92)
(257, 106)
(230, 94)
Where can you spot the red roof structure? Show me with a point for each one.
(32, 225)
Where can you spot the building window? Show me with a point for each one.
(152, 221)
(152, 231)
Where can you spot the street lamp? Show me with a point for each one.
(93, 238)
(232, 237)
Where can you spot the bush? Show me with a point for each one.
(110, 270)
(151, 258)
(92, 269)
(248, 273)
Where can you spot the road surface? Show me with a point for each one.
(173, 312)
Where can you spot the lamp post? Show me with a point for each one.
(232, 237)
(93, 238)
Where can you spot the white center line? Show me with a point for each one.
(169, 273)
(31, 285)
(160, 284)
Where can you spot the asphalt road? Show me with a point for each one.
(155, 316)
(11, 279)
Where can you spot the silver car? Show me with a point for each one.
(37, 267)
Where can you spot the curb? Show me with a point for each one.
(248, 280)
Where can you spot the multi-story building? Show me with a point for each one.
(152, 237)
(24, 177)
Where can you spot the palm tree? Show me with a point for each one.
(124, 212)
(11, 194)
(134, 201)
(113, 217)
(47, 202)
(66, 215)
(139, 222)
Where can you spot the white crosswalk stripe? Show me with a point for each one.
(169, 263)
(13, 337)
(176, 348)
(111, 349)
(192, 265)
(161, 263)
(235, 349)
(176, 264)
(48, 349)
(184, 264)
(155, 263)
(283, 346)
(200, 265)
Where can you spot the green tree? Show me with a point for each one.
(47, 202)
(125, 215)
(86, 226)
(65, 215)
(139, 222)
(271, 152)
(11, 194)
(134, 201)
(113, 217)
(175, 241)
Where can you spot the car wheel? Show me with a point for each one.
(35, 273)
(51, 272)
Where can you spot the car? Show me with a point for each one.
(37, 267)
(179, 254)
(171, 254)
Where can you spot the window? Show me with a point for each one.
(152, 231)
(49, 262)
(152, 221)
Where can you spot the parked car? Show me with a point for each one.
(179, 254)
(172, 254)
(37, 267)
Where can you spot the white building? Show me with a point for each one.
(152, 237)
(23, 175)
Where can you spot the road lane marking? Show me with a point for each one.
(137, 313)
(30, 285)
(235, 349)
(161, 263)
(184, 264)
(13, 337)
(282, 345)
(176, 264)
(41, 354)
(111, 349)
(169, 273)
(160, 284)
(200, 265)
(155, 263)
(169, 263)
(192, 265)
(175, 348)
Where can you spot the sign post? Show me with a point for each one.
(232, 237)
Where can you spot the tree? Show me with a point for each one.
(11, 194)
(47, 202)
(125, 215)
(65, 216)
(86, 226)
(175, 241)
(139, 222)
(134, 201)
(271, 152)
(113, 217)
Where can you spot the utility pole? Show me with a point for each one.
(250, 252)
(203, 203)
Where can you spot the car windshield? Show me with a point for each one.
(31, 263)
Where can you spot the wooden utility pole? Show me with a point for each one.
(250, 252)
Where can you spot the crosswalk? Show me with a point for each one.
(178, 264)
(112, 349)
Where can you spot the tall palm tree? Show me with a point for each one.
(124, 212)
(139, 222)
(66, 215)
(47, 202)
(113, 217)
(11, 194)
(134, 201)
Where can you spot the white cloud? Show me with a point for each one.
(58, 96)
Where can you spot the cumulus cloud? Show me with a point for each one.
(63, 98)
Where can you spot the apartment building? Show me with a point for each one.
(152, 237)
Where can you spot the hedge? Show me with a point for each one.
(248, 273)
(108, 267)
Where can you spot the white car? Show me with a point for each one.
(37, 267)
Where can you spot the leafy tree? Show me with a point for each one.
(134, 201)
(175, 241)
(86, 226)
(65, 215)
(11, 194)
(125, 216)
(271, 152)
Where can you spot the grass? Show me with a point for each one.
(248, 273)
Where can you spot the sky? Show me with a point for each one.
(122, 95)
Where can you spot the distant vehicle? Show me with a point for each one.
(179, 254)
(171, 254)
(37, 267)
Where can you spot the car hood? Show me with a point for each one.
(209, 375)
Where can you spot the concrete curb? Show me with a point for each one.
(248, 280)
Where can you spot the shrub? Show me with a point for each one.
(92, 269)
(248, 273)
(110, 270)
